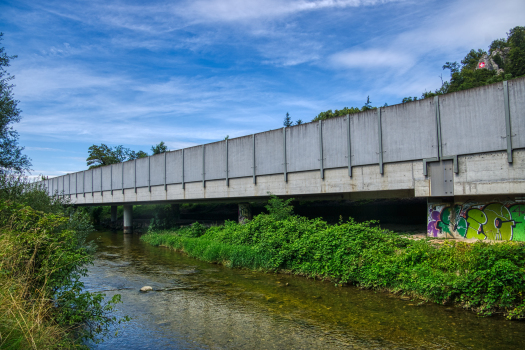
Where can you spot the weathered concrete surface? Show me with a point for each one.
(490, 173)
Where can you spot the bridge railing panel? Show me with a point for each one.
(215, 160)
(129, 174)
(364, 138)
(409, 131)
(65, 184)
(60, 182)
(473, 121)
(142, 172)
(157, 170)
(240, 156)
(80, 182)
(335, 147)
(73, 183)
(302, 147)
(517, 112)
(269, 152)
(88, 181)
(97, 179)
(116, 176)
(193, 164)
(106, 178)
(174, 167)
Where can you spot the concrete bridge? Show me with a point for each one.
(464, 151)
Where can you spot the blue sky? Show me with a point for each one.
(189, 72)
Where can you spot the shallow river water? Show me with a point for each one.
(196, 305)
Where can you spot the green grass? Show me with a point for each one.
(487, 278)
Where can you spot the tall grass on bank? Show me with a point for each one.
(43, 255)
(487, 278)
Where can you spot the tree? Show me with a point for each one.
(104, 155)
(298, 122)
(287, 120)
(159, 148)
(132, 155)
(11, 157)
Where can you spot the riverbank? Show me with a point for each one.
(485, 278)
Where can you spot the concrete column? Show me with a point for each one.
(245, 213)
(114, 217)
(128, 219)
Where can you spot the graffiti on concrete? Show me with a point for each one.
(493, 221)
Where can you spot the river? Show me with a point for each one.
(196, 305)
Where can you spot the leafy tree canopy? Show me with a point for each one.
(342, 112)
(159, 148)
(11, 157)
(104, 155)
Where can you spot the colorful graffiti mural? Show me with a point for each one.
(492, 221)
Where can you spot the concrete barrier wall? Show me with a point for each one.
(80, 182)
(409, 131)
(363, 137)
(174, 167)
(88, 181)
(215, 161)
(302, 147)
(240, 157)
(142, 172)
(116, 176)
(517, 112)
(73, 183)
(269, 153)
(193, 164)
(471, 121)
(106, 177)
(157, 170)
(129, 174)
(335, 143)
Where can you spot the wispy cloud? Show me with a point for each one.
(242, 10)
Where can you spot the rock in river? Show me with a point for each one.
(146, 289)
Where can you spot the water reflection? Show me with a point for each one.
(195, 305)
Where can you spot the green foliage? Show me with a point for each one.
(409, 99)
(287, 120)
(516, 56)
(298, 122)
(278, 208)
(43, 255)
(479, 276)
(345, 111)
(159, 148)
(104, 155)
(11, 157)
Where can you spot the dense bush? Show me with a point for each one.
(480, 276)
(43, 255)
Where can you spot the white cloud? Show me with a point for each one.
(242, 10)
(372, 58)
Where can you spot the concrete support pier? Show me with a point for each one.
(128, 219)
(245, 213)
(114, 217)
